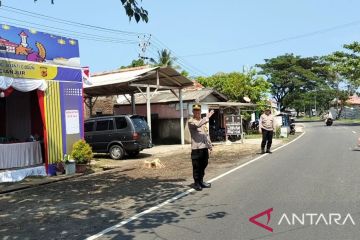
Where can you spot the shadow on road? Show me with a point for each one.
(307, 121)
(78, 208)
(150, 223)
(346, 124)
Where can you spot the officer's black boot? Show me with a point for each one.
(197, 186)
(268, 151)
(262, 150)
(205, 184)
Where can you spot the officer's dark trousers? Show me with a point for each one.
(199, 159)
(266, 138)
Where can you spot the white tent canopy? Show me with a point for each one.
(22, 85)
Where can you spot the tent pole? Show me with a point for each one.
(181, 117)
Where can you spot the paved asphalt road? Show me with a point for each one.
(319, 174)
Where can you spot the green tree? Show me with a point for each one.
(135, 63)
(345, 80)
(185, 73)
(236, 85)
(291, 76)
(321, 99)
(346, 64)
(165, 59)
(132, 9)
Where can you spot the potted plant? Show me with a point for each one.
(82, 154)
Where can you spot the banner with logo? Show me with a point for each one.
(33, 46)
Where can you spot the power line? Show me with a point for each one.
(87, 36)
(275, 41)
(182, 59)
(77, 36)
(144, 43)
(160, 45)
(154, 49)
(64, 21)
(81, 35)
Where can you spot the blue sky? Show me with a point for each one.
(190, 27)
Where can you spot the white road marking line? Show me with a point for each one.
(353, 131)
(124, 222)
(251, 161)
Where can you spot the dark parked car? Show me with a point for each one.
(118, 135)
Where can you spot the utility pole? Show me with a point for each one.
(315, 104)
(144, 43)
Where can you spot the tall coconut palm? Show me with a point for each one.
(165, 59)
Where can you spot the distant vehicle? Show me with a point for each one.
(328, 121)
(118, 135)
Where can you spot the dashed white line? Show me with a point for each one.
(122, 223)
(353, 131)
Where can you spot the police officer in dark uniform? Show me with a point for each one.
(201, 146)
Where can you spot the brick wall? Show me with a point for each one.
(103, 105)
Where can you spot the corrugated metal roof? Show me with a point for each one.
(119, 82)
(353, 100)
(230, 104)
(168, 96)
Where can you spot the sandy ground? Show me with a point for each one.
(79, 207)
(176, 159)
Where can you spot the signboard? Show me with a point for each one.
(29, 54)
(72, 121)
(33, 46)
(233, 125)
(284, 132)
(27, 70)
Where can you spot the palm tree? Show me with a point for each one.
(165, 59)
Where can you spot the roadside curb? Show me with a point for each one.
(27, 186)
(50, 181)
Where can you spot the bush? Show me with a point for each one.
(82, 152)
(277, 132)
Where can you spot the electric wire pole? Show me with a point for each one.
(144, 43)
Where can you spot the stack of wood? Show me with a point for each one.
(154, 163)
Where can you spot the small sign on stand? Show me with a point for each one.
(233, 125)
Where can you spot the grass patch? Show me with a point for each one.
(348, 121)
(291, 137)
(253, 136)
(315, 118)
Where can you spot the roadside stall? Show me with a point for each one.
(283, 121)
(41, 107)
(228, 118)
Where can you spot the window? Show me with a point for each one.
(104, 125)
(89, 126)
(121, 122)
(111, 125)
(139, 123)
